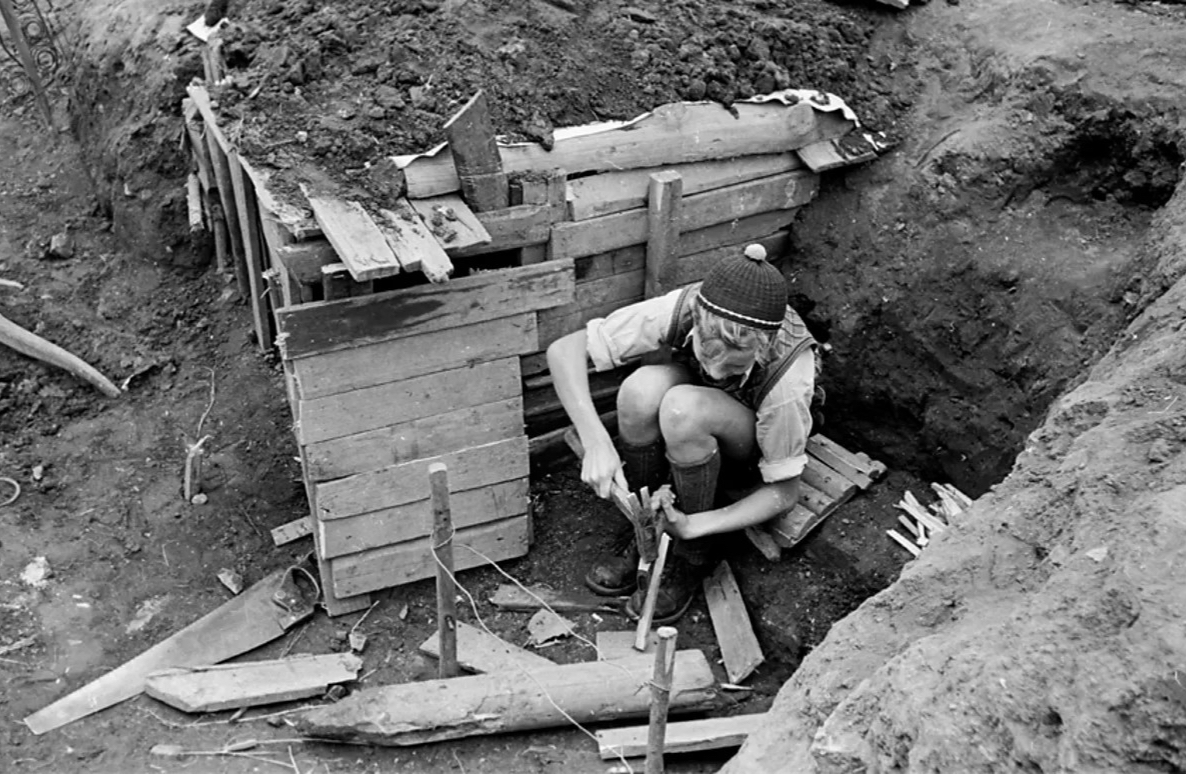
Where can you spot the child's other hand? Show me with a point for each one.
(675, 521)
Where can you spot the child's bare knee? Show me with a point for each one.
(681, 413)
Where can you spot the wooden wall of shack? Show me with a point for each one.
(387, 372)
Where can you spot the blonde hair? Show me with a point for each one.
(733, 334)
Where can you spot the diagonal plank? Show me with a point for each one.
(454, 224)
(481, 651)
(412, 242)
(355, 237)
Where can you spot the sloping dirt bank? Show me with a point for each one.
(1044, 632)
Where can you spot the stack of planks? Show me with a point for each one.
(402, 345)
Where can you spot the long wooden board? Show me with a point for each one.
(406, 441)
(241, 624)
(406, 562)
(480, 651)
(676, 133)
(523, 225)
(413, 243)
(371, 408)
(683, 736)
(407, 521)
(388, 487)
(343, 370)
(610, 192)
(501, 702)
(452, 222)
(857, 467)
(722, 205)
(508, 597)
(310, 329)
(355, 237)
(735, 634)
(251, 683)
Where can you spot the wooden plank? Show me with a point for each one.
(513, 598)
(425, 437)
(501, 702)
(217, 146)
(609, 192)
(723, 205)
(470, 133)
(252, 683)
(694, 267)
(293, 530)
(297, 221)
(400, 523)
(197, 144)
(664, 222)
(730, 621)
(614, 646)
(553, 327)
(828, 481)
(590, 268)
(792, 527)
(815, 500)
(252, 258)
(371, 408)
(684, 736)
(336, 282)
(413, 243)
(480, 651)
(842, 460)
(540, 398)
(241, 624)
(736, 232)
(355, 237)
(452, 222)
(343, 370)
(411, 561)
(333, 603)
(396, 485)
(676, 133)
(764, 542)
(311, 329)
(512, 228)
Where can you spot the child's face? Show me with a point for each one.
(720, 361)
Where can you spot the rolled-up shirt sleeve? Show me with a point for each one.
(784, 422)
(630, 332)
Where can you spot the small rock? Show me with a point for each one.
(36, 573)
(696, 90)
(1098, 554)
(38, 472)
(376, 113)
(639, 15)
(231, 579)
(1160, 451)
(199, 499)
(61, 246)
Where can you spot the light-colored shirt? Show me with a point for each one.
(783, 420)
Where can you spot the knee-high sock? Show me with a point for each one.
(644, 464)
(696, 489)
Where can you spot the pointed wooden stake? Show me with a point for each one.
(442, 547)
(660, 698)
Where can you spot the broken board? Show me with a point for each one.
(730, 620)
(612, 646)
(509, 597)
(480, 651)
(682, 737)
(293, 530)
(229, 686)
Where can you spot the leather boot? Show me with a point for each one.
(615, 572)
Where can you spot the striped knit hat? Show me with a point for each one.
(747, 290)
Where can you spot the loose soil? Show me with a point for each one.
(962, 284)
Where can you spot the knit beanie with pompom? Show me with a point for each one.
(746, 289)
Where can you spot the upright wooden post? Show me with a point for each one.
(30, 64)
(660, 698)
(442, 547)
(643, 631)
(664, 205)
(475, 154)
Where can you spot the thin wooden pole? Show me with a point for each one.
(22, 47)
(660, 698)
(442, 547)
(642, 633)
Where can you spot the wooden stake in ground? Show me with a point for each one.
(660, 697)
(442, 548)
(648, 606)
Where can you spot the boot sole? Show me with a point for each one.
(606, 591)
(670, 618)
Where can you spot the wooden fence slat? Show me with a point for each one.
(252, 257)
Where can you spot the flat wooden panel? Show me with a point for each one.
(389, 361)
(681, 737)
(410, 239)
(409, 521)
(407, 441)
(676, 133)
(590, 268)
(251, 683)
(480, 651)
(552, 327)
(739, 645)
(411, 561)
(371, 408)
(828, 481)
(355, 237)
(724, 205)
(407, 483)
(512, 228)
(610, 192)
(310, 329)
(453, 223)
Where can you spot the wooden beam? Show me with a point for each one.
(403, 563)
(511, 228)
(609, 192)
(336, 282)
(293, 530)
(664, 209)
(355, 237)
(472, 144)
(730, 621)
(513, 598)
(413, 243)
(789, 529)
(252, 257)
(311, 329)
(480, 651)
(241, 624)
(452, 222)
(682, 737)
(676, 133)
(252, 683)
(723, 205)
(828, 481)
(502, 702)
(856, 466)
(371, 408)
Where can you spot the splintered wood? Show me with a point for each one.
(922, 523)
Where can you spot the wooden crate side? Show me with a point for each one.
(409, 521)
(406, 483)
(407, 441)
(371, 408)
(411, 561)
(692, 268)
(554, 326)
(310, 329)
(343, 370)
